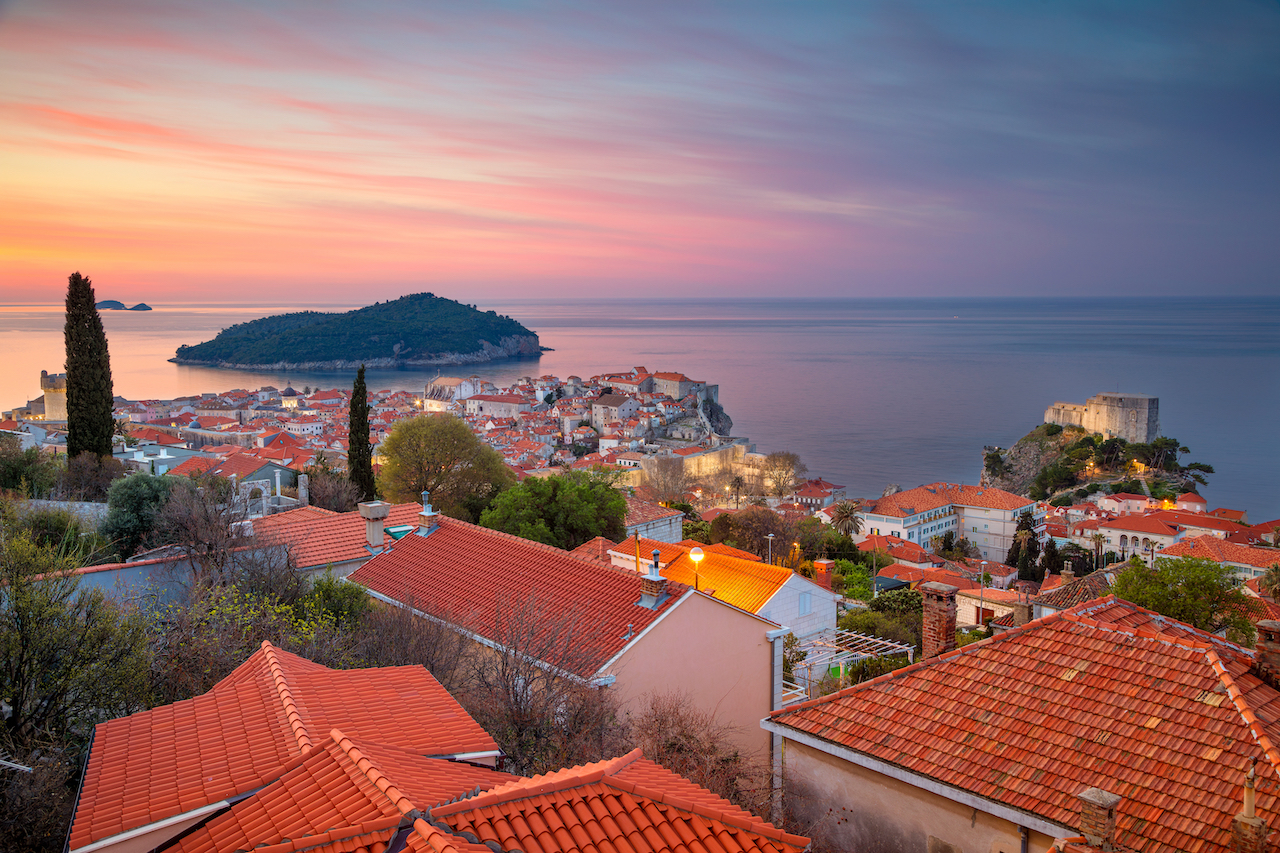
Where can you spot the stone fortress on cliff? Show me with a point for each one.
(1133, 417)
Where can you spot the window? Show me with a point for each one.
(806, 603)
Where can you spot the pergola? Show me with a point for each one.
(836, 650)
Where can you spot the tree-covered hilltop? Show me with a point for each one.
(1068, 464)
(417, 329)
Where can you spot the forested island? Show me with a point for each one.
(415, 330)
(117, 305)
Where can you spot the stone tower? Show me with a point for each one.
(54, 386)
(1133, 417)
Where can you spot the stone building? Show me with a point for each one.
(54, 386)
(1133, 417)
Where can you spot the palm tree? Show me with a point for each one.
(845, 518)
(736, 485)
(1098, 539)
(1269, 583)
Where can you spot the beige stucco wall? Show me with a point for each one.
(846, 807)
(716, 654)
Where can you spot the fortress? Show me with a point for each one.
(54, 386)
(1133, 417)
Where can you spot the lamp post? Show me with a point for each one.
(982, 592)
(696, 555)
(770, 538)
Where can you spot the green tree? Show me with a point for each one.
(1050, 559)
(845, 518)
(1199, 592)
(133, 504)
(1269, 583)
(90, 424)
(439, 454)
(359, 453)
(563, 511)
(68, 656)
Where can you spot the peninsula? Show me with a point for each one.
(413, 331)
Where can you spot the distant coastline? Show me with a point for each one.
(113, 305)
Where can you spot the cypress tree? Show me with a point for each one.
(90, 417)
(359, 454)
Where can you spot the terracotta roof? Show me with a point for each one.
(624, 804)
(317, 537)
(727, 550)
(667, 551)
(332, 795)
(937, 495)
(913, 575)
(642, 512)
(467, 572)
(597, 549)
(1091, 586)
(1211, 548)
(1140, 524)
(1106, 694)
(237, 737)
(193, 465)
(745, 584)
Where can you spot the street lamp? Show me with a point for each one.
(696, 555)
(982, 591)
(770, 538)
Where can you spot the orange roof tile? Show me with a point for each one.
(1208, 547)
(269, 711)
(317, 537)
(936, 495)
(642, 512)
(193, 465)
(626, 803)
(1153, 710)
(468, 572)
(745, 584)
(333, 794)
(596, 549)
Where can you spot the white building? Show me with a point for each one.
(987, 517)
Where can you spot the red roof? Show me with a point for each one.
(193, 465)
(642, 512)
(938, 495)
(471, 572)
(271, 710)
(1208, 547)
(624, 804)
(317, 536)
(332, 795)
(1106, 694)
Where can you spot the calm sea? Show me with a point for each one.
(868, 392)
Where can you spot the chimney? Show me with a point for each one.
(1022, 608)
(374, 514)
(653, 586)
(304, 493)
(1266, 660)
(428, 519)
(822, 572)
(1098, 817)
(1067, 575)
(1248, 831)
(939, 617)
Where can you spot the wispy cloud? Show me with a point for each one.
(880, 148)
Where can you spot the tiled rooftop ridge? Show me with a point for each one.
(298, 727)
(374, 775)
(608, 773)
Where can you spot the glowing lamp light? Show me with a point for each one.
(696, 555)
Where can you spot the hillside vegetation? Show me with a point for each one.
(1051, 462)
(418, 329)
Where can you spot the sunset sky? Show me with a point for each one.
(342, 151)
